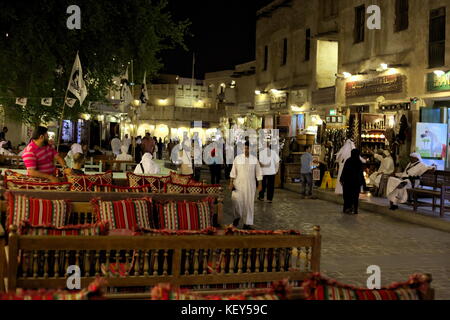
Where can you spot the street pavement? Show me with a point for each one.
(351, 243)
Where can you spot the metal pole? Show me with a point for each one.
(192, 83)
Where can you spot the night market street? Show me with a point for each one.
(352, 243)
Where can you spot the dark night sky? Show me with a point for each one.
(224, 35)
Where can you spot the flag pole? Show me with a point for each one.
(62, 117)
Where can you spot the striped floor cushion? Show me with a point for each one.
(184, 215)
(39, 212)
(81, 183)
(26, 185)
(130, 214)
(12, 175)
(95, 187)
(318, 287)
(197, 188)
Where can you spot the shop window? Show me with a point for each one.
(266, 57)
(430, 115)
(436, 50)
(401, 15)
(285, 52)
(360, 23)
(308, 45)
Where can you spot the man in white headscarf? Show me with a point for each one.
(124, 156)
(397, 187)
(386, 167)
(147, 165)
(74, 149)
(115, 145)
(342, 156)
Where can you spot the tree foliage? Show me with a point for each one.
(37, 50)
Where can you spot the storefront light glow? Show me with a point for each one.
(392, 71)
(347, 75)
(384, 66)
(257, 92)
(296, 109)
(439, 73)
(274, 91)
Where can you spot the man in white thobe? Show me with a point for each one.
(342, 156)
(270, 162)
(386, 167)
(397, 187)
(246, 170)
(116, 144)
(127, 142)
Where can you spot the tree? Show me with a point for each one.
(37, 50)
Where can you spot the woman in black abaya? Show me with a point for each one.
(352, 179)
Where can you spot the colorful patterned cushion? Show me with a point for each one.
(180, 178)
(210, 231)
(318, 287)
(39, 212)
(157, 183)
(231, 230)
(24, 185)
(131, 214)
(12, 175)
(213, 188)
(82, 183)
(183, 215)
(110, 188)
(174, 188)
(98, 229)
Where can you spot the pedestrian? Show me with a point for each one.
(352, 179)
(127, 142)
(160, 149)
(39, 157)
(397, 187)
(342, 156)
(124, 156)
(323, 160)
(78, 163)
(215, 167)
(138, 149)
(170, 146)
(147, 165)
(306, 173)
(244, 173)
(270, 163)
(115, 145)
(197, 161)
(148, 144)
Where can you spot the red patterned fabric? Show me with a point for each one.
(183, 215)
(12, 175)
(156, 182)
(131, 214)
(97, 229)
(180, 178)
(278, 291)
(318, 287)
(192, 188)
(210, 231)
(81, 183)
(24, 185)
(39, 212)
(111, 188)
(231, 230)
(95, 291)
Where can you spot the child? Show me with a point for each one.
(78, 163)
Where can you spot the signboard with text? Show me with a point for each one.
(375, 87)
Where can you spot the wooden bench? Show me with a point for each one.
(82, 210)
(434, 184)
(149, 260)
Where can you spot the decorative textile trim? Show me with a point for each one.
(179, 178)
(95, 187)
(210, 231)
(156, 182)
(318, 287)
(97, 229)
(26, 185)
(12, 175)
(231, 230)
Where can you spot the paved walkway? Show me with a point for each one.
(352, 243)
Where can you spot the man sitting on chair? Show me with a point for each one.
(386, 167)
(397, 187)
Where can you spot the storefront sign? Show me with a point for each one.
(278, 101)
(324, 96)
(332, 112)
(396, 107)
(375, 87)
(438, 83)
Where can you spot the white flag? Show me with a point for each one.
(126, 96)
(21, 101)
(76, 83)
(47, 102)
(144, 91)
(70, 102)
